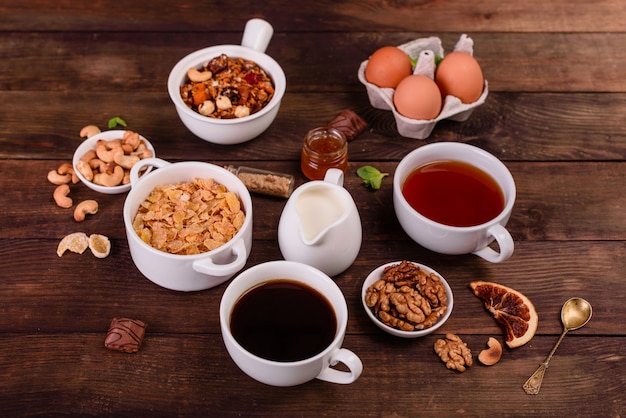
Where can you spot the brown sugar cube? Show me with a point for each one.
(125, 335)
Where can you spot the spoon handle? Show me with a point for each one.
(533, 384)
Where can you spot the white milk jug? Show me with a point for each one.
(320, 225)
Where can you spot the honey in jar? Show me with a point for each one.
(323, 148)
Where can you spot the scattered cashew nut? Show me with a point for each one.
(491, 355)
(89, 131)
(55, 178)
(61, 196)
(198, 76)
(66, 168)
(84, 208)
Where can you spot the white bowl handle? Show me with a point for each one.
(141, 164)
(209, 267)
(257, 34)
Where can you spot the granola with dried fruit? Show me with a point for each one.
(227, 88)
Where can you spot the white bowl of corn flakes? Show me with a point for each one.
(407, 299)
(229, 94)
(188, 224)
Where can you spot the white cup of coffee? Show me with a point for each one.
(455, 198)
(283, 324)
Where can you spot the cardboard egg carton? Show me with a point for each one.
(425, 49)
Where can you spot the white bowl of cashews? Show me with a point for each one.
(256, 37)
(103, 161)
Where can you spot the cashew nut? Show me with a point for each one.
(89, 131)
(110, 180)
(84, 208)
(89, 155)
(126, 161)
(61, 196)
(198, 76)
(66, 168)
(97, 164)
(55, 178)
(105, 150)
(491, 355)
(85, 169)
(142, 151)
(131, 138)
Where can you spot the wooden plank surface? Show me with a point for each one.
(554, 115)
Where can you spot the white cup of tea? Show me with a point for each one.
(455, 198)
(263, 313)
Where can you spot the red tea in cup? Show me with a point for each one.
(453, 193)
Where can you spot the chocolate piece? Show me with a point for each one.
(349, 123)
(125, 335)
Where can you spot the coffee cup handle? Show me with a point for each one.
(347, 357)
(209, 267)
(505, 242)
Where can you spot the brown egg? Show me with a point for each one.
(417, 97)
(387, 67)
(459, 74)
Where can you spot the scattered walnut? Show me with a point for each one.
(407, 298)
(454, 352)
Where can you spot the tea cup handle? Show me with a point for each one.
(257, 34)
(347, 357)
(505, 242)
(141, 164)
(209, 267)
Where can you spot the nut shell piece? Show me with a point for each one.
(76, 242)
(99, 245)
(490, 356)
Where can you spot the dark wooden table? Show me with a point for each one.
(555, 115)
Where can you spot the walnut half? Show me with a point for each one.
(454, 352)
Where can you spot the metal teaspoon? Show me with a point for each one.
(575, 313)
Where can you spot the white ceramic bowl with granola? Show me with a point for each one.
(407, 299)
(195, 231)
(102, 173)
(233, 103)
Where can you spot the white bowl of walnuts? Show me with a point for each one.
(407, 299)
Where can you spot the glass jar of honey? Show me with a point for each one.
(323, 148)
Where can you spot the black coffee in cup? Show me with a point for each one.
(283, 320)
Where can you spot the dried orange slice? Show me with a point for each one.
(514, 312)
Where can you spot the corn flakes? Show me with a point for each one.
(189, 218)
